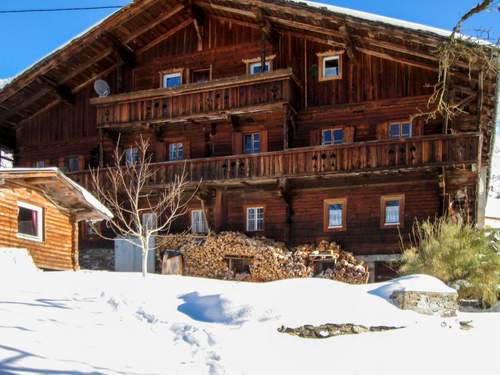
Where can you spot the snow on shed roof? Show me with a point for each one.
(92, 201)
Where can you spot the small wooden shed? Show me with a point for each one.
(40, 209)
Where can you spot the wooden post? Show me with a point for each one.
(305, 73)
(286, 118)
(101, 150)
(263, 52)
(284, 192)
(220, 210)
(74, 245)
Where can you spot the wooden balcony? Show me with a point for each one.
(206, 100)
(362, 157)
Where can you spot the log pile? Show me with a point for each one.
(344, 266)
(267, 260)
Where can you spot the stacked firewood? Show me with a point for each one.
(344, 266)
(268, 260)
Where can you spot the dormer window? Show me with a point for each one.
(172, 79)
(400, 130)
(330, 66)
(254, 66)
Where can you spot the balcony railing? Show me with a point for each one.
(416, 152)
(197, 100)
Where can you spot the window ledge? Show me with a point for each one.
(29, 238)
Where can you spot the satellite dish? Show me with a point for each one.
(101, 87)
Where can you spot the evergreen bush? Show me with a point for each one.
(463, 256)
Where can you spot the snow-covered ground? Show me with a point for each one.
(119, 323)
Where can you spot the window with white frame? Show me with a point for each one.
(30, 222)
(332, 136)
(391, 210)
(256, 68)
(335, 214)
(175, 151)
(172, 79)
(198, 222)
(251, 143)
(255, 219)
(400, 130)
(330, 66)
(149, 220)
(6, 158)
(131, 156)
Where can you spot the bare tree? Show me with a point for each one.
(123, 188)
(475, 53)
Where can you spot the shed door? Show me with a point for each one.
(128, 257)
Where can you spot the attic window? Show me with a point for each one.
(330, 66)
(29, 222)
(172, 80)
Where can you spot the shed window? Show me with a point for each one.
(172, 80)
(238, 265)
(131, 156)
(198, 222)
(252, 143)
(392, 209)
(400, 130)
(30, 222)
(335, 211)
(6, 159)
(71, 164)
(255, 219)
(175, 151)
(332, 137)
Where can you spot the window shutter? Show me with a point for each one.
(382, 131)
(349, 134)
(263, 141)
(237, 143)
(315, 137)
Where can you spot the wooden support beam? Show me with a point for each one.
(196, 13)
(286, 122)
(285, 194)
(220, 210)
(166, 35)
(124, 52)
(400, 60)
(350, 44)
(61, 90)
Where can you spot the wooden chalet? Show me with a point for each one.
(40, 210)
(299, 119)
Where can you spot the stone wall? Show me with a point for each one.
(429, 303)
(97, 259)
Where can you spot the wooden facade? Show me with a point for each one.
(55, 208)
(384, 77)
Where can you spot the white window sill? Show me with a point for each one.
(29, 238)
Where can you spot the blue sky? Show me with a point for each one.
(25, 38)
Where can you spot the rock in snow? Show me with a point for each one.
(119, 323)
